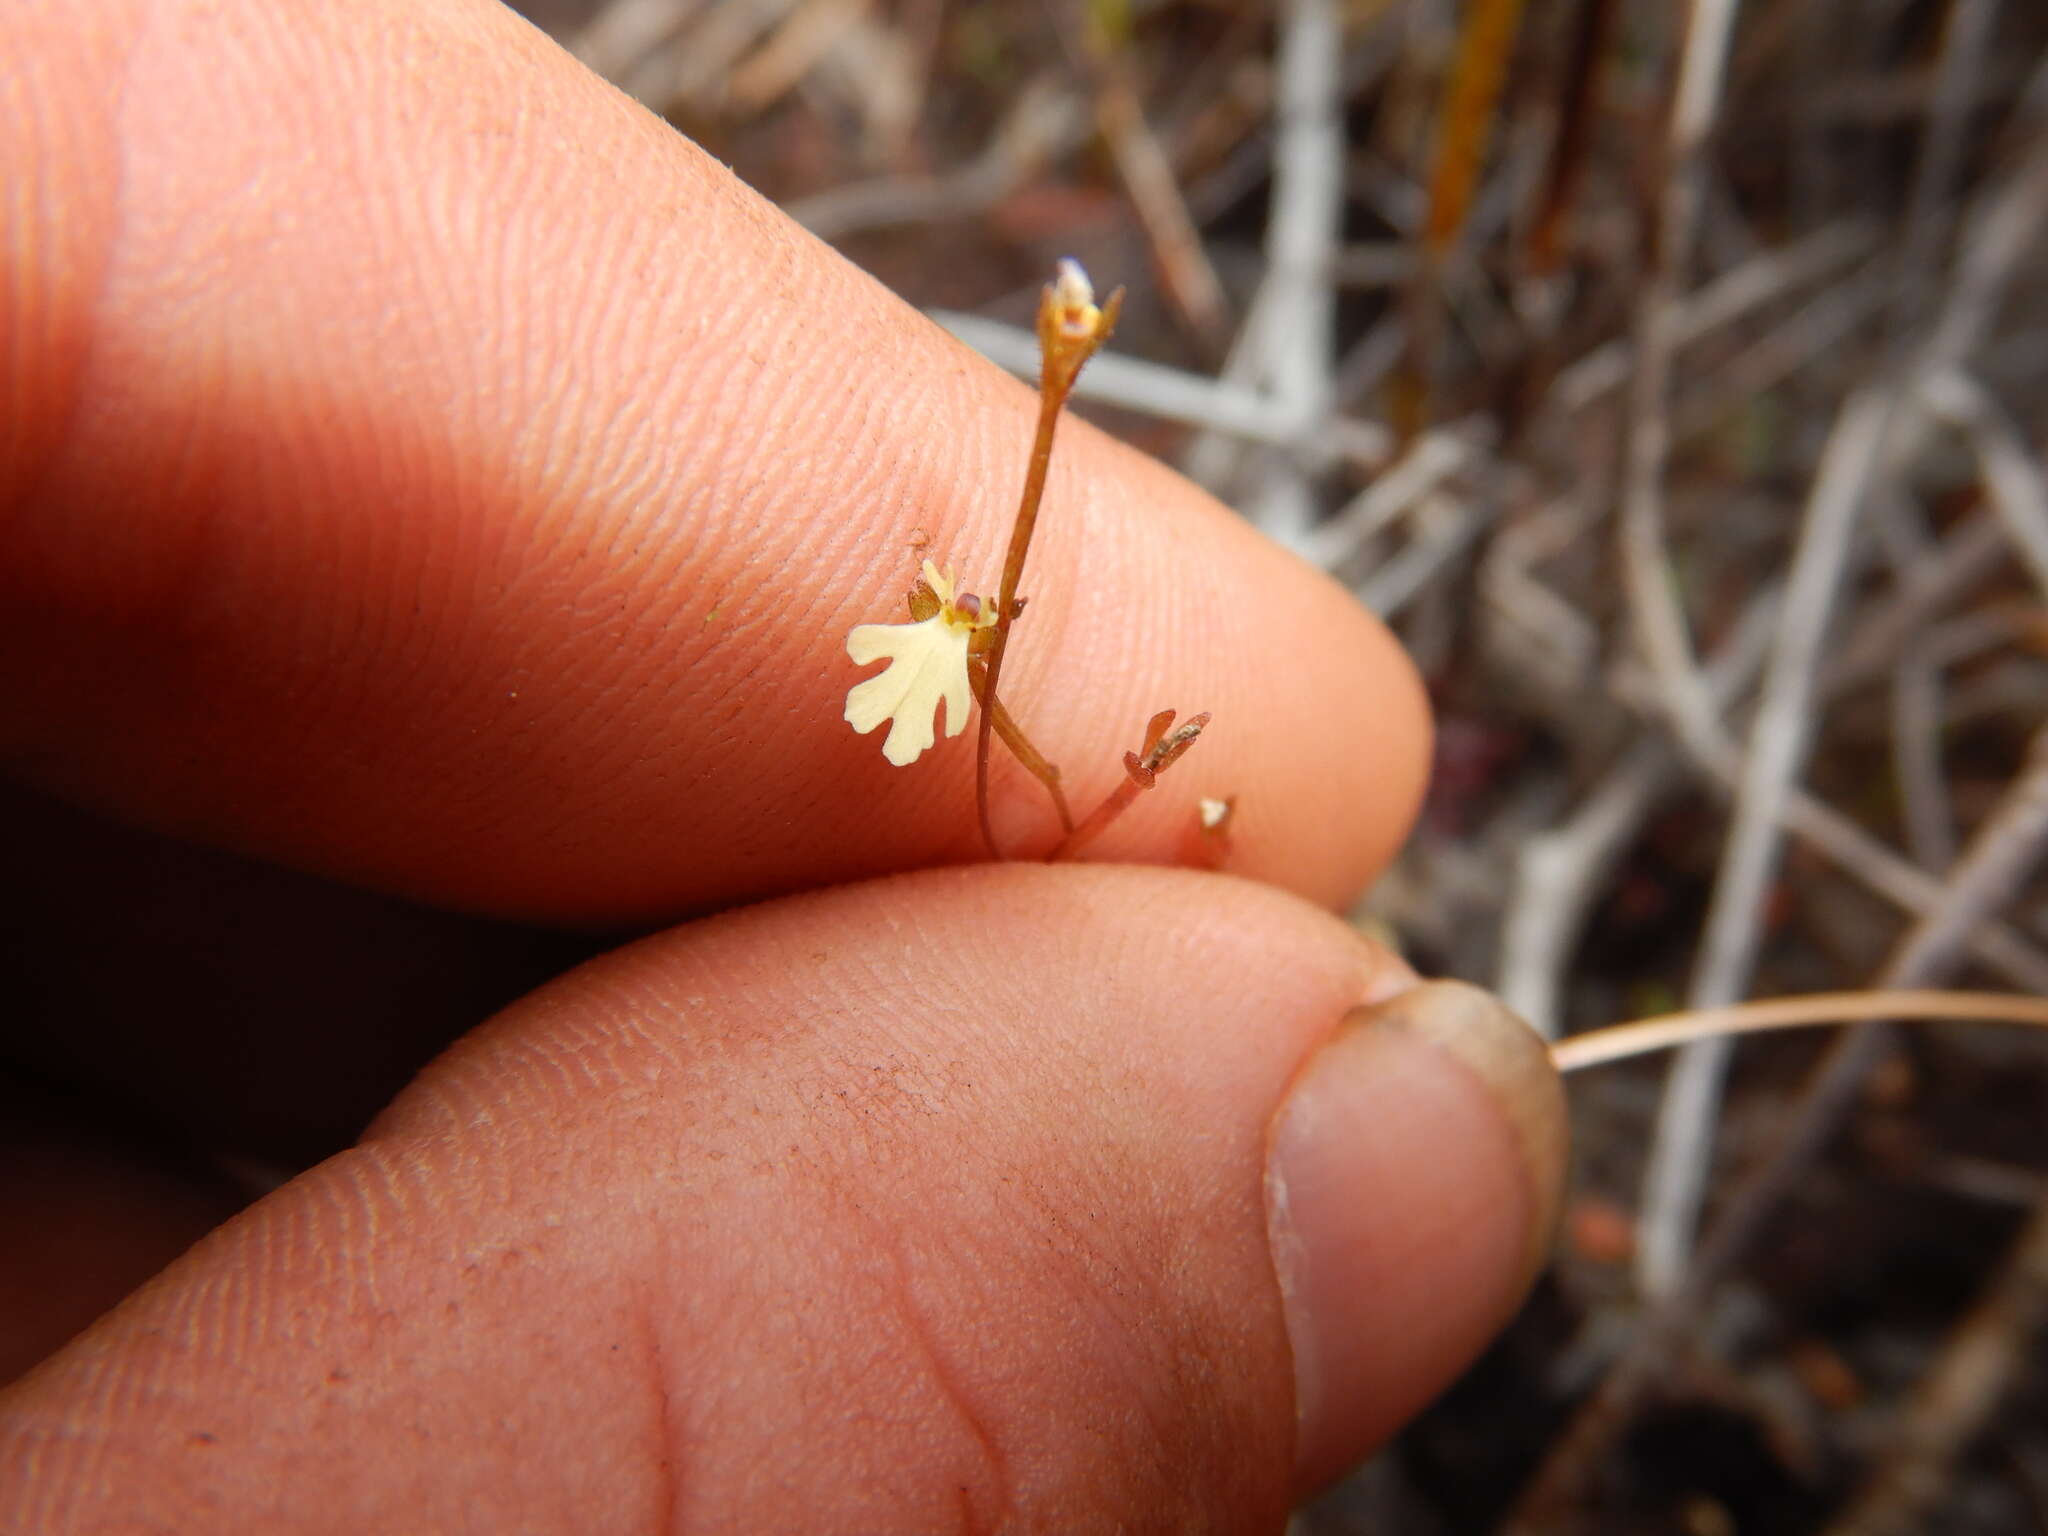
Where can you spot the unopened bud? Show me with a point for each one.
(1070, 285)
(1073, 297)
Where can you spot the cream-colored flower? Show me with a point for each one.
(927, 667)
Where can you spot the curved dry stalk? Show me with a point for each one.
(1619, 1042)
(1070, 329)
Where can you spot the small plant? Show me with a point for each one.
(955, 641)
(954, 644)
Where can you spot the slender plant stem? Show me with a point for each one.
(1114, 805)
(1020, 745)
(1070, 329)
(1052, 396)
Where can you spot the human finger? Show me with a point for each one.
(1058, 1198)
(424, 467)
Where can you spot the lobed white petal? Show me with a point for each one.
(927, 668)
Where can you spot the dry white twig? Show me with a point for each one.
(1735, 293)
(2012, 476)
(1917, 686)
(621, 35)
(1445, 526)
(1659, 619)
(1964, 39)
(1966, 557)
(2000, 857)
(1302, 239)
(1558, 873)
(1908, 887)
(1045, 121)
(1212, 460)
(1916, 760)
(1995, 238)
(1168, 393)
(1679, 1156)
(1433, 458)
(1678, 1168)
(1813, 334)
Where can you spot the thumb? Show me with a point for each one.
(1007, 1196)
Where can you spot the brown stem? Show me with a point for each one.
(1019, 744)
(1062, 353)
(1118, 801)
(1050, 399)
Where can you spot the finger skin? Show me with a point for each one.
(932, 1204)
(426, 468)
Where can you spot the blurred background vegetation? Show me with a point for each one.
(1672, 379)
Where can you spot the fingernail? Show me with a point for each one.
(1412, 1181)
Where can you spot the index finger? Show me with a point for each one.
(429, 469)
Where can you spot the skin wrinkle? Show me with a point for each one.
(988, 1499)
(1099, 1273)
(1067, 1249)
(666, 1443)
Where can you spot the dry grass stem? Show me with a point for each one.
(1640, 1037)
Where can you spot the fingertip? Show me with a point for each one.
(1413, 1184)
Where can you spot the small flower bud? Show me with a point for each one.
(1075, 296)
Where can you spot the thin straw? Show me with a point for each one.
(1620, 1041)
